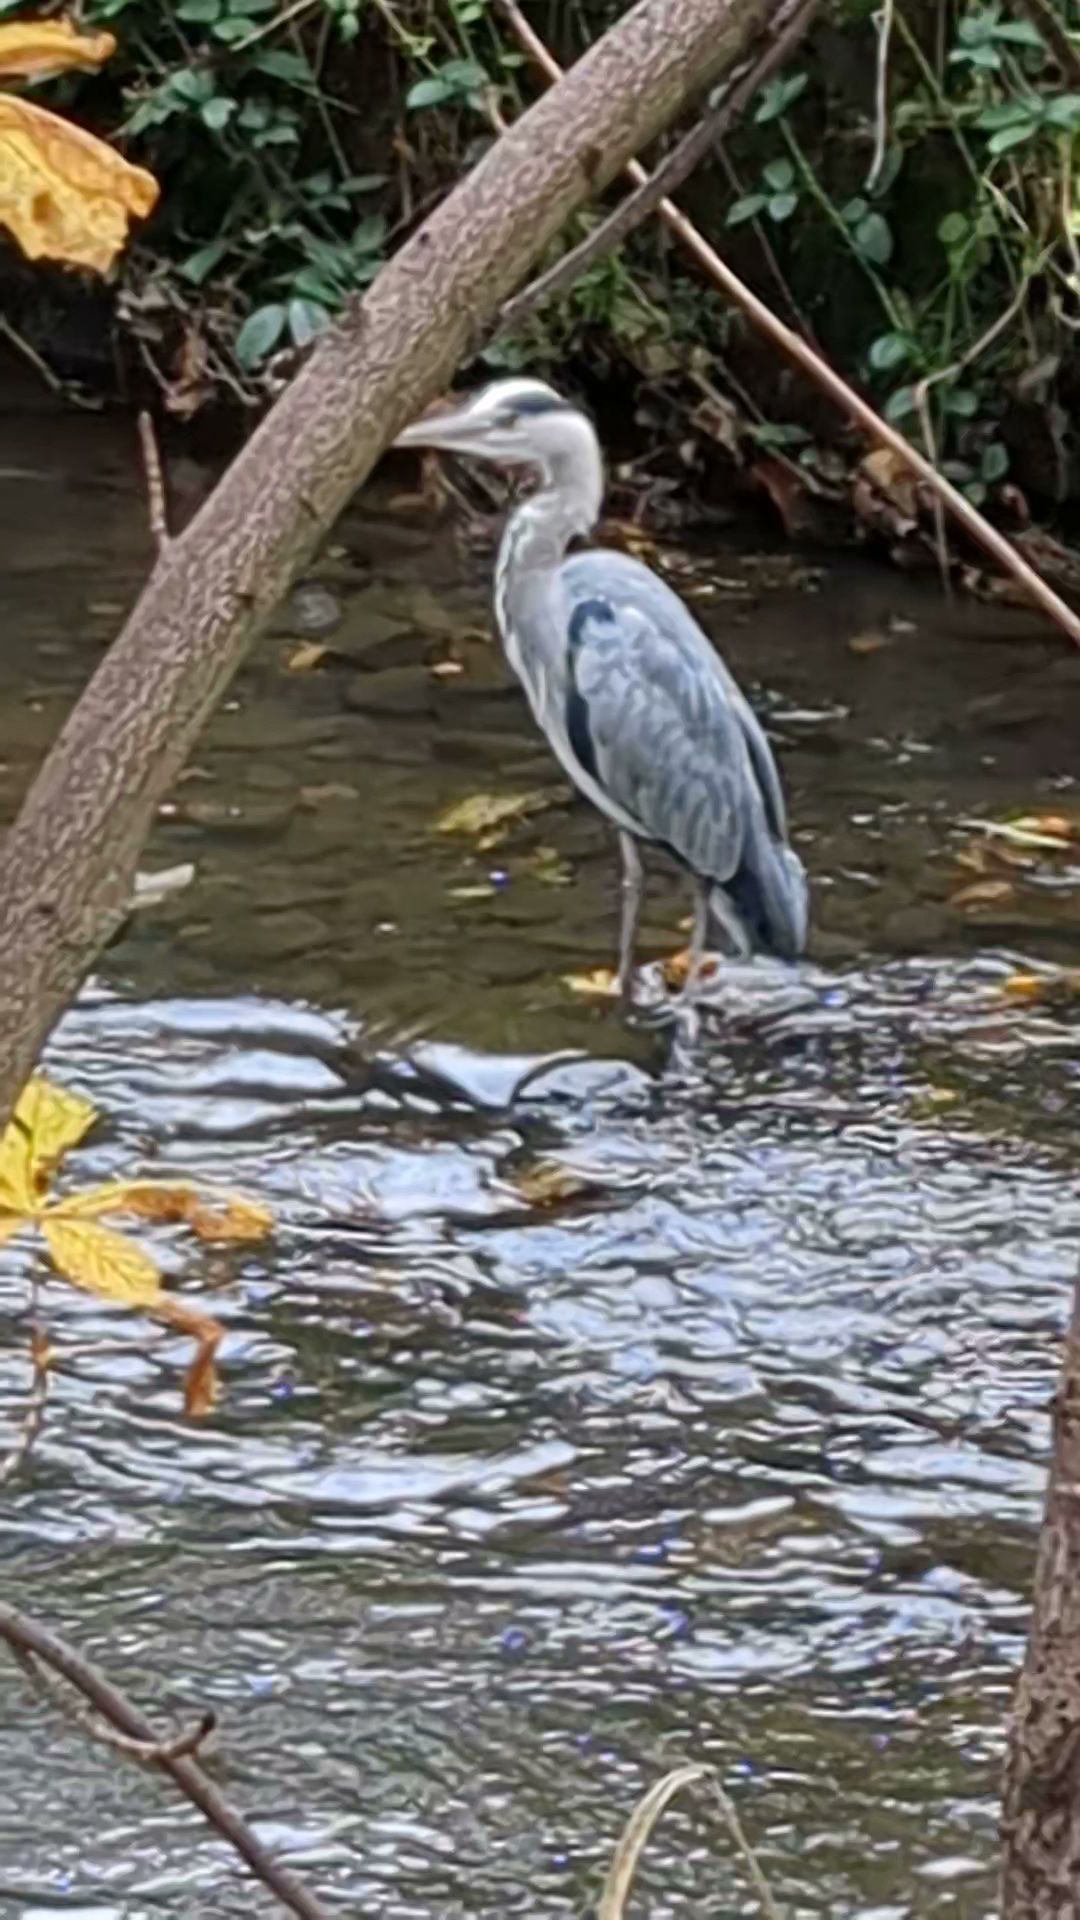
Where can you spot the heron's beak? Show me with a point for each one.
(448, 428)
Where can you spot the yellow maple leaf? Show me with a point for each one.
(600, 984)
(37, 49)
(102, 1261)
(47, 1121)
(65, 195)
(488, 817)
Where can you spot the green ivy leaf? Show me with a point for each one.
(747, 208)
(782, 206)
(779, 175)
(778, 96)
(995, 462)
(873, 237)
(889, 350)
(455, 80)
(1010, 137)
(900, 405)
(217, 113)
(962, 403)
(306, 319)
(200, 12)
(260, 334)
(203, 261)
(953, 229)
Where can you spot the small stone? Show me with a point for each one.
(311, 610)
(397, 690)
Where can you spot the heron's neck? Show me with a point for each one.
(538, 533)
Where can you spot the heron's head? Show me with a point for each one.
(518, 422)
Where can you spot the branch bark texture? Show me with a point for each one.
(1041, 1797)
(70, 858)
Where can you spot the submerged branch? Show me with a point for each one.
(33, 1644)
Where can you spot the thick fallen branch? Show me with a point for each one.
(794, 348)
(69, 861)
(32, 1643)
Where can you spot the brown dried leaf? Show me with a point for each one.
(983, 893)
(228, 1217)
(545, 1183)
(303, 658)
(202, 1388)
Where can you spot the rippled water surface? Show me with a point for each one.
(726, 1444)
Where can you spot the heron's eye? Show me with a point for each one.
(508, 418)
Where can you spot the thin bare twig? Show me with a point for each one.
(818, 370)
(155, 482)
(1043, 15)
(34, 1417)
(884, 24)
(671, 172)
(635, 1834)
(27, 1637)
(149, 1753)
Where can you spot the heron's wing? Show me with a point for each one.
(660, 730)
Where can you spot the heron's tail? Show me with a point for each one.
(768, 896)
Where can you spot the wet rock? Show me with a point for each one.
(311, 611)
(245, 818)
(398, 690)
(284, 936)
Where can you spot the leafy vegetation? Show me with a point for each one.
(932, 177)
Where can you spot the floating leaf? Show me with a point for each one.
(600, 984)
(303, 658)
(546, 1184)
(102, 1261)
(488, 817)
(37, 49)
(1062, 985)
(63, 194)
(983, 893)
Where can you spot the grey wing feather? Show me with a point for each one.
(675, 744)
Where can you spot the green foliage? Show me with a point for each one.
(935, 256)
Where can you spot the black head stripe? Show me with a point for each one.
(540, 403)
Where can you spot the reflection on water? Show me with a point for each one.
(732, 1451)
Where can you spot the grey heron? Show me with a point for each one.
(636, 702)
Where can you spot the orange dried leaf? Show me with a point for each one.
(102, 1261)
(202, 1388)
(224, 1217)
(63, 194)
(1043, 986)
(36, 49)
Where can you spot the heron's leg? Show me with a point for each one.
(698, 940)
(632, 886)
